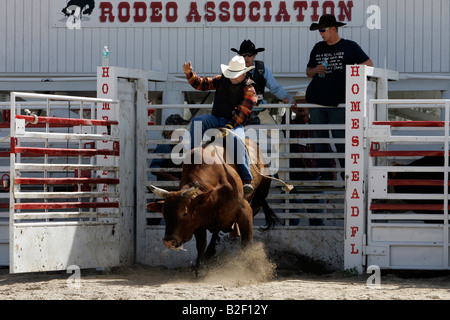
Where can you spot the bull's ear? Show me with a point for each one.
(203, 197)
(155, 206)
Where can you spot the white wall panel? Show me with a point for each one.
(3, 37)
(414, 37)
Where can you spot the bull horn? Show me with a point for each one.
(189, 193)
(159, 192)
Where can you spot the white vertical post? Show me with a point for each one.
(132, 116)
(356, 85)
(106, 88)
(446, 170)
(141, 165)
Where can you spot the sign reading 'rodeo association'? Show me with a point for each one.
(214, 13)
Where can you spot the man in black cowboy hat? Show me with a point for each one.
(326, 67)
(329, 58)
(262, 76)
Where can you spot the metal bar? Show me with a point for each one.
(61, 97)
(67, 136)
(263, 126)
(406, 102)
(63, 195)
(265, 106)
(6, 125)
(401, 206)
(70, 121)
(39, 104)
(64, 215)
(64, 205)
(62, 167)
(415, 182)
(293, 206)
(416, 140)
(305, 196)
(404, 216)
(33, 152)
(413, 124)
(410, 169)
(284, 169)
(331, 155)
(421, 153)
(65, 181)
(19, 224)
(414, 196)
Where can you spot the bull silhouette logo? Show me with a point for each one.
(74, 11)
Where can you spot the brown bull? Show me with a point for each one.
(211, 197)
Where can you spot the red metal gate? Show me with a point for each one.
(58, 217)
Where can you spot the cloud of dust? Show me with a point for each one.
(247, 266)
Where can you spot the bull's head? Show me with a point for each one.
(180, 210)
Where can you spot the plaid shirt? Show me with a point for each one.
(243, 110)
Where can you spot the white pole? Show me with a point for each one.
(356, 85)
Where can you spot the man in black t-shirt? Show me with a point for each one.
(326, 67)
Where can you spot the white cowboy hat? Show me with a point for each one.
(235, 68)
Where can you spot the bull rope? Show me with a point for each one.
(287, 187)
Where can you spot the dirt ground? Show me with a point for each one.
(249, 276)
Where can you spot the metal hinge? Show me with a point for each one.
(377, 132)
(374, 251)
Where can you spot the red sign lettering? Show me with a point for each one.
(347, 9)
(156, 15)
(239, 11)
(267, 16)
(282, 13)
(193, 14)
(354, 230)
(124, 11)
(106, 9)
(105, 72)
(105, 88)
(225, 15)
(210, 15)
(315, 15)
(355, 158)
(355, 211)
(300, 6)
(140, 11)
(355, 71)
(171, 11)
(222, 11)
(355, 194)
(356, 106)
